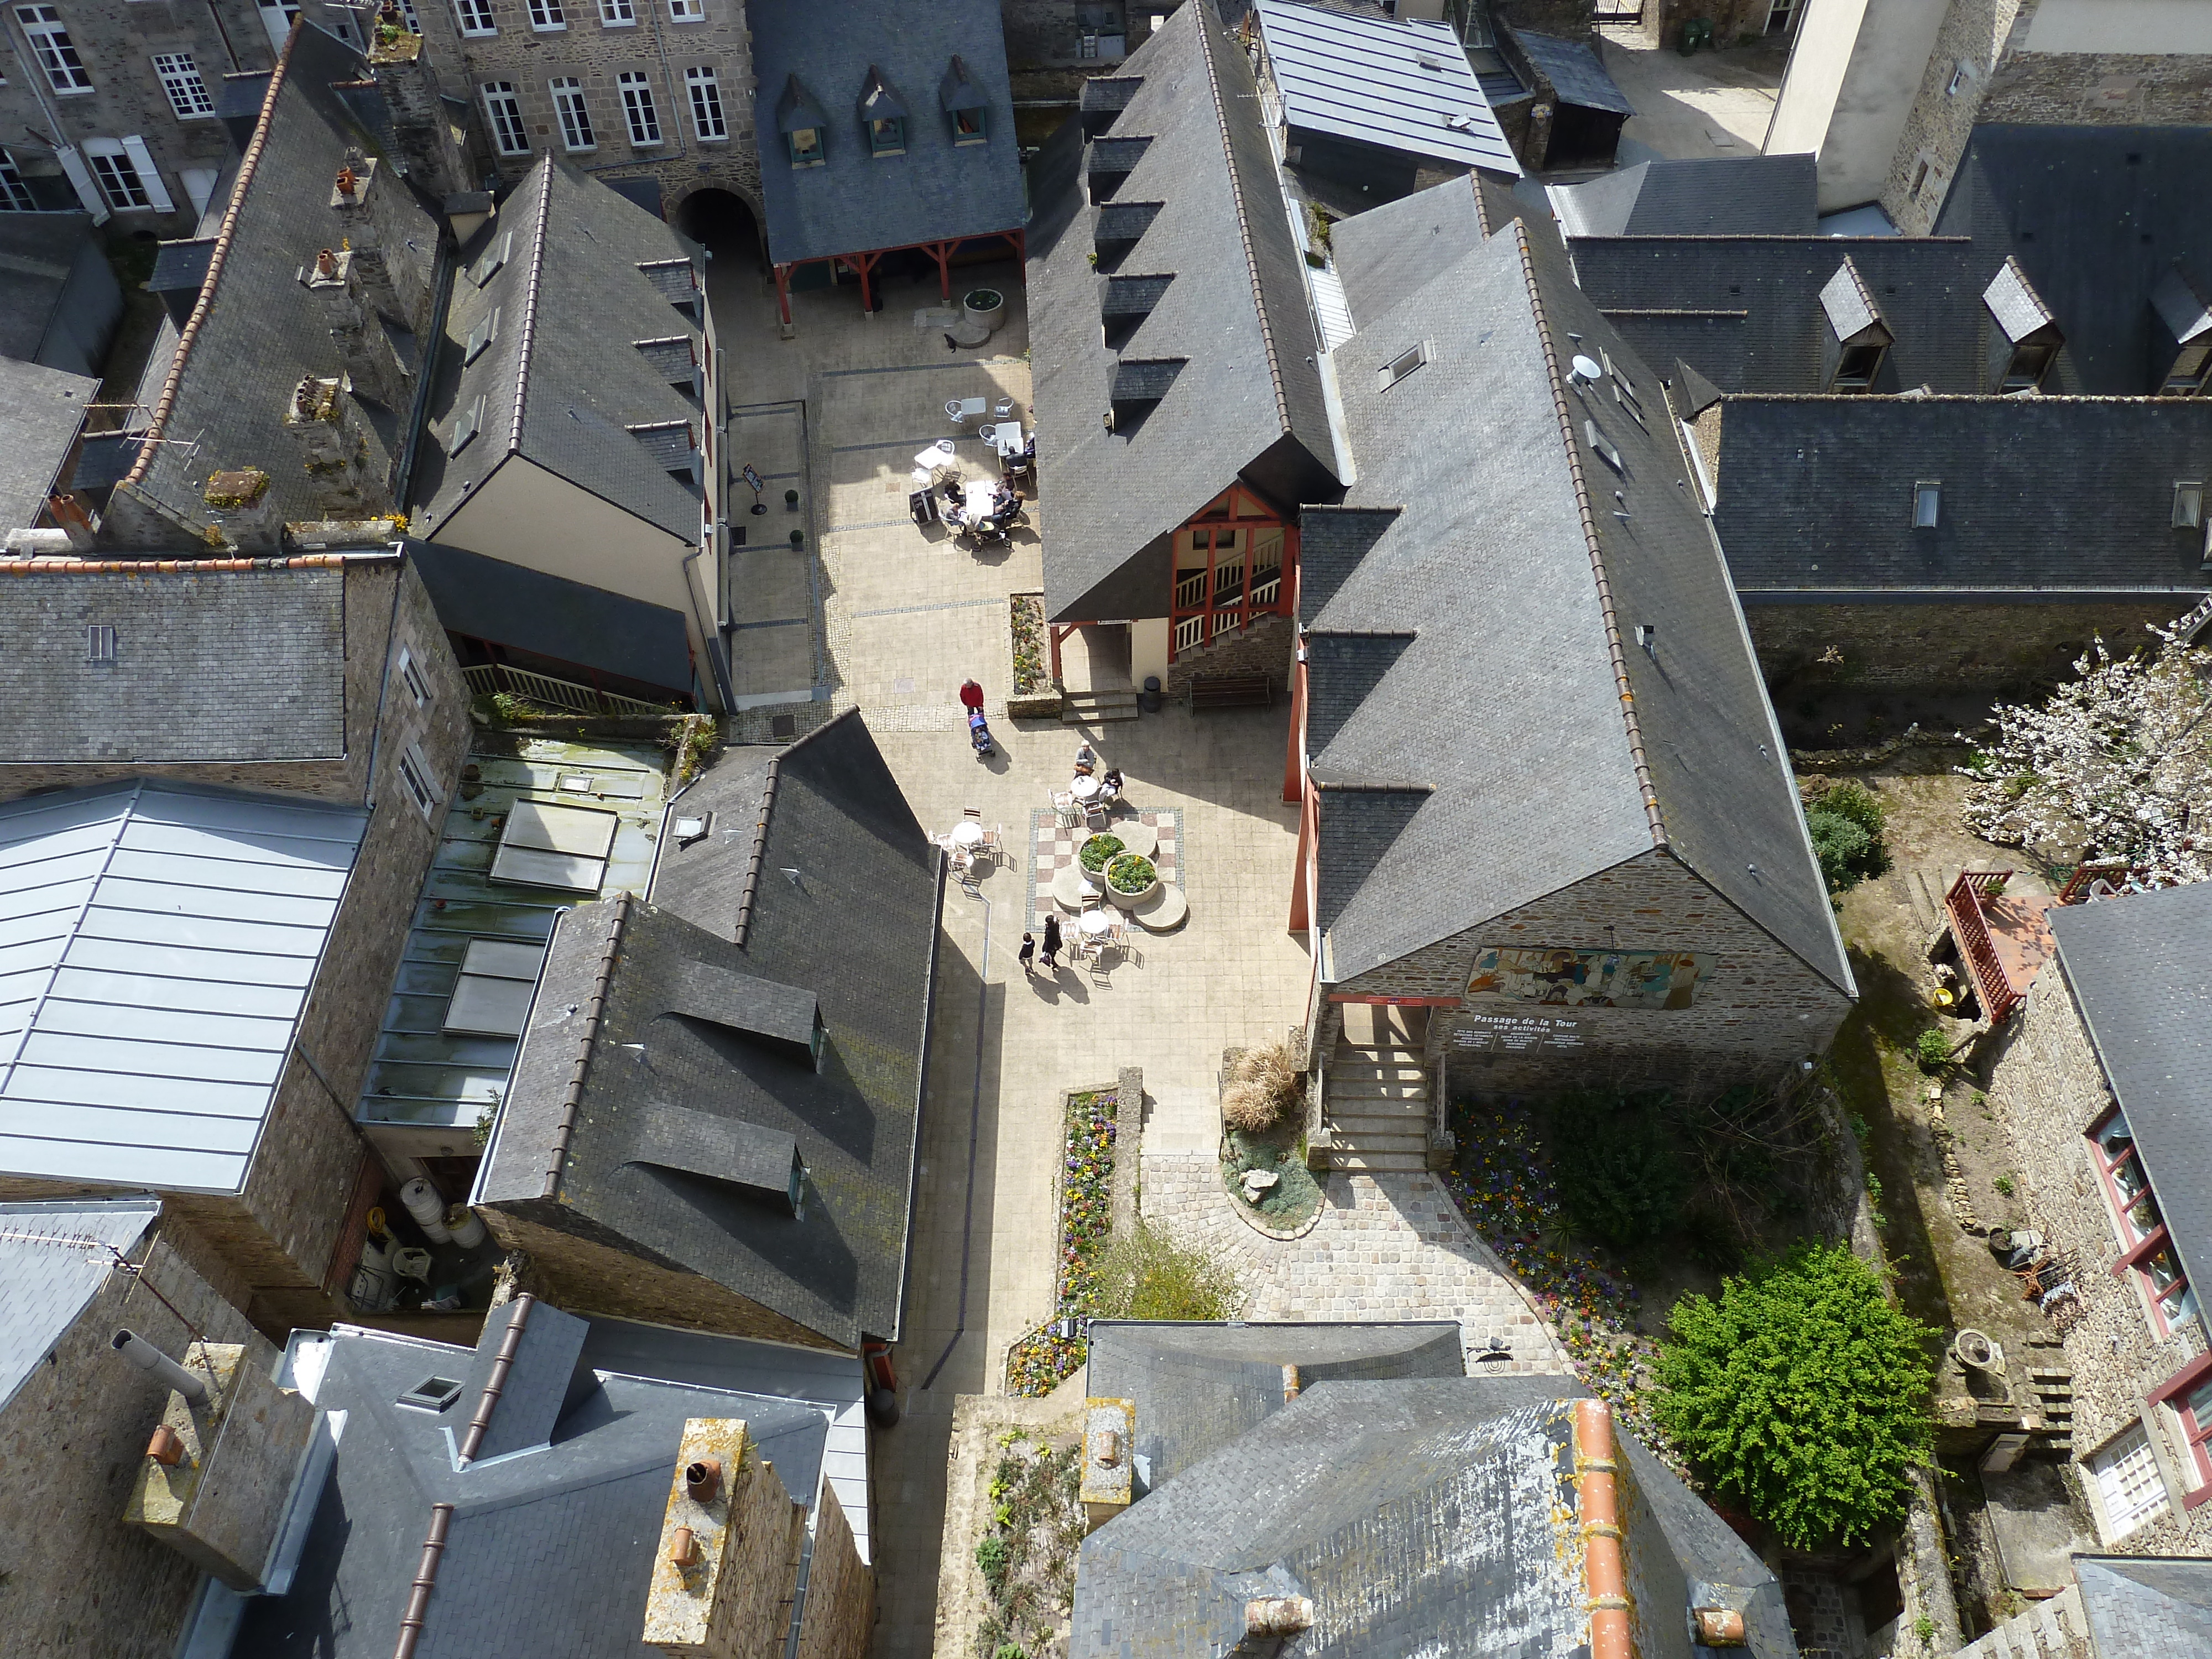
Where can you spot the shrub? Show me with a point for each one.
(1803, 1394)
(1097, 850)
(1264, 1082)
(1147, 1275)
(1846, 827)
(1932, 1049)
(1621, 1178)
(1131, 874)
(991, 1556)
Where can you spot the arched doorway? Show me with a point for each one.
(722, 222)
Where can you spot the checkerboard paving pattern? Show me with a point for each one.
(1053, 848)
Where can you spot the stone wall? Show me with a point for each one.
(595, 54)
(2048, 1091)
(588, 1275)
(1046, 34)
(73, 1579)
(841, 1590)
(1264, 648)
(1571, 20)
(1758, 1008)
(1974, 32)
(2000, 647)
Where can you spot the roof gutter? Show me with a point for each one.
(920, 1088)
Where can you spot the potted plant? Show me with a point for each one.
(791, 501)
(1130, 878)
(1098, 851)
(798, 539)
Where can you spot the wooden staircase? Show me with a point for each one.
(1085, 707)
(1377, 1101)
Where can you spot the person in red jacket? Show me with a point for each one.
(971, 695)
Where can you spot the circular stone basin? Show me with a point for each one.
(1164, 912)
(1125, 899)
(985, 306)
(1136, 837)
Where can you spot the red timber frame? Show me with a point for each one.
(864, 264)
(1220, 592)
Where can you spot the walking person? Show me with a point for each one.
(1029, 954)
(971, 695)
(1052, 944)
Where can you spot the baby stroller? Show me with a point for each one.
(979, 734)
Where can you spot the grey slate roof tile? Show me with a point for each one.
(45, 1285)
(214, 665)
(857, 929)
(1389, 252)
(40, 410)
(1487, 561)
(1573, 69)
(587, 273)
(2139, 969)
(855, 202)
(1722, 196)
(37, 254)
(2143, 1605)
(1243, 324)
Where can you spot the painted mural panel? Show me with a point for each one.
(1588, 978)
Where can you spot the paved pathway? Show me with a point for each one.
(1386, 1247)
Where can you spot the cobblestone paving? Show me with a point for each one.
(1386, 1247)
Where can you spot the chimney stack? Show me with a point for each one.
(726, 1569)
(1110, 1485)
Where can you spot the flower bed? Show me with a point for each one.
(1502, 1182)
(1034, 695)
(1132, 874)
(1027, 1556)
(1095, 853)
(1295, 1195)
(1041, 1361)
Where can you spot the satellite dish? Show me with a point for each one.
(1585, 369)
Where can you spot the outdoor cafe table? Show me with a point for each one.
(967, 832)
(1085, 788)
(979, 494)
(1095, 923)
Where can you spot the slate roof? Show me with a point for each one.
(2146, 1604)
(857, 929)
(50, 1268)
(2098, 216)
(2043, 495)
(1725, 195)
(560, 379)
(39, 252)
(160, 943)
(1452, 796)
(1251, 403)
(226, 391)
(1428, 1517)
(1196, 1387)
(552, 615)
(2139, 969)
(856, 201)
(1575, 72)
(40, 410)
(1391, 251)
(549, 1553)
(214, 664)
(1400, 85)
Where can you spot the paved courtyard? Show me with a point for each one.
(874, 611)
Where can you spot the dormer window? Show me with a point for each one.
(962, 100)
(2027, 338)
(1855, 367)
(2145, 1244)
(2030, 362)
(1858, 337)
(883, 115)
(805, 146)
(802, 124)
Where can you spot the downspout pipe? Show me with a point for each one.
(158, 1365)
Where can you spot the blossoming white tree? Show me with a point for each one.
(2117, 764)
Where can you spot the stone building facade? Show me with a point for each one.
(73, 1579)
(2001, 646)
(2042, 62)
(2051, 1092)
(665, 88)
(1757, 1006)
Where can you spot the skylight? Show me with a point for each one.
(1403, 364)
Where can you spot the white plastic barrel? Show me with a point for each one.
(429, 1210)
(461, 1221)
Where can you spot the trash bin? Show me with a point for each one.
(1697, 32)
(1149, 698)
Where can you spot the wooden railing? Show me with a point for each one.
(492, 679)
(1971, 929)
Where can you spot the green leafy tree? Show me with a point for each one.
(1801, 1394)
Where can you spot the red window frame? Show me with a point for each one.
(2143, 1247)
(2180, 1393)
(1198, 613)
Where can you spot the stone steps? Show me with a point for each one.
(1080, 707)
(1374, 1089)
(1362, 1163)
(1374, 1072)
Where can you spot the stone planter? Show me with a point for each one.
(1041, 699)
(1099, 874)
(1115, 896)
(983, 307)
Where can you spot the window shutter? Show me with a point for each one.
(148, 174)
(80, 178)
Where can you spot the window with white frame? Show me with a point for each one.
(687, 11)
(180, 79)
(2129, 1488)
(706, 103)
(2188, 505)
(411, 676)
(1927, 504)
(545, 15)
(575, 119)
(56, 53)
(617, 14)
(15, 194)
(421, 781)
(475, 17)
(118, 179)
(638, 107)
(504, 109)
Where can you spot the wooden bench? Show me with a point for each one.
(1229, 691)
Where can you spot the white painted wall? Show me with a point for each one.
(1855, 68)
(2143, 26)
(1148, 649)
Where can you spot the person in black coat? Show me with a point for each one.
(1028, 953)
(1052, 944)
